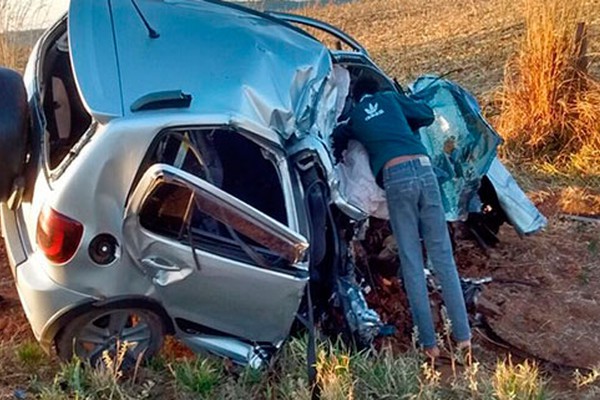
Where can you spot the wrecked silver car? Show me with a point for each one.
(169, 171)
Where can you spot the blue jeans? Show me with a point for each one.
(416, 212)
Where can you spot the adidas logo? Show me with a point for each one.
(373, 111)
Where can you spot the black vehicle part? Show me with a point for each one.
(161, 100)
(103, 249)
(152, 34)
(494, 215)
(323, 248)
(14, 129)
(485, 225)
(320, 282)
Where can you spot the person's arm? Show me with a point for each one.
(341, 135)
(417, 114)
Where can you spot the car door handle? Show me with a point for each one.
(160, 263)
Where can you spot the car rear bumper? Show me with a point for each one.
(12, 239)
(43, 300)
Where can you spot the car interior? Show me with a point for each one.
(66, 118)
(230, 162)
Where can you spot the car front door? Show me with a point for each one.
(214, 260)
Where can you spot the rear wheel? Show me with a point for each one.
(135, 333)
(13, 129)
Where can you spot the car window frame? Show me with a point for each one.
(158, 173)
(275, 150)
(329, 29)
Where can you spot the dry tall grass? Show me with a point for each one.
(521, 381)
(15, 17)
(550, 103)
(335, 376)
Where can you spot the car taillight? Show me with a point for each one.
(58, 236)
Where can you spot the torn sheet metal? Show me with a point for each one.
(362, 320)
(165, 278)
(248, 67)
(460, 142)
(520, 211)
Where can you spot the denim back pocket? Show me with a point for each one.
(401, 188)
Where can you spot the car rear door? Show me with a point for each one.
(230, 269)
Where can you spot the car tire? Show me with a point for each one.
(14, 128)
(138, 332)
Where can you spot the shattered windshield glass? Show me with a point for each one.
(460, 142)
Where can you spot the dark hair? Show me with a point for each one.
(365, 85)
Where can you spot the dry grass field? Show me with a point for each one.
(549, 320)
(409, 38)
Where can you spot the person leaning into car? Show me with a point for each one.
(386, 123)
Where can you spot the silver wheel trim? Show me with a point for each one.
(113, 329)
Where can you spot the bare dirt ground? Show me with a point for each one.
(544, 299)
(13, 324)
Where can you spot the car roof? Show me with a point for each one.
(230, 61)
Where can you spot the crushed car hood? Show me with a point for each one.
(255, 70)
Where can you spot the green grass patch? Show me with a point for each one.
(199, 376)
(30, 354)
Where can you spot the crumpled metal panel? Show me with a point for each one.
(520, 211)
(460, 143)
(245, 66)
